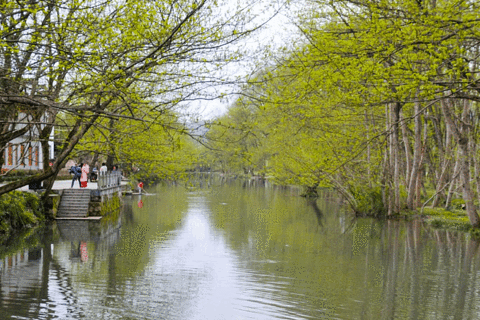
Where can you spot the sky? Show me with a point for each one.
(278, 32)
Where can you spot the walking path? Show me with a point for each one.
(66, 184)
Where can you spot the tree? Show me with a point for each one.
(153, 148)
(112, 59)
(234, 140)
(365, 92)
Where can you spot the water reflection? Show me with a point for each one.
(234, 250)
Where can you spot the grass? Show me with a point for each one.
(453, 219)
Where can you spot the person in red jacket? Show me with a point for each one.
(84, 175)
(140, 187)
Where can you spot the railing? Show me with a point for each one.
(109, 179)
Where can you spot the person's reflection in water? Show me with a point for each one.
(74, 250)
(83, 251)
(79, 250)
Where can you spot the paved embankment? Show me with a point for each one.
(66, 184)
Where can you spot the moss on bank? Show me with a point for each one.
(19, 210)
(110, 205)
(369, 203)
(454, 219)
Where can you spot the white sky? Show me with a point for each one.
(278, 32)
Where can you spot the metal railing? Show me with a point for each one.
(109, 179)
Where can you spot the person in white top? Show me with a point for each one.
(103, 169)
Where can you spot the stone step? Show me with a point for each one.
(72, 208)
(75, 198)
(83, 206)
(74, 203)
(72, 215)
(76, 195)
(69, 192)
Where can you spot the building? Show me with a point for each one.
(25, 152)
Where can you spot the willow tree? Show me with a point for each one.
(111, 59)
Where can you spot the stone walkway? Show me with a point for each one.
(66, 184)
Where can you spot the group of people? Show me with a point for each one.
(80, 173)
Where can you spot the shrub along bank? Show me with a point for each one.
(19, 210)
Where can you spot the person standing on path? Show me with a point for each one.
(84, 175)
(103, 169)
(77, 172)
(140, 187)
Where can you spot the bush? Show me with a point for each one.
(369, 201)
(458, 204)
(19, 210)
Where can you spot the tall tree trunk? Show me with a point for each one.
(408, 150)
(445, 168)
(111, 151)
(477, 170)
(396, 107)
(421, 172)
(417, 154)
(367, 126)
(387, 165)
(94, 160)
(461, 135)
(44, 136)
(453, 182)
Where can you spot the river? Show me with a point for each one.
(238, 250)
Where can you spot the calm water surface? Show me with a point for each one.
(234, 251)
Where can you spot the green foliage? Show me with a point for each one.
(26, 238)
(458, 204)
(447, 219)
(111, 206)
(33, 203)
(19, 210)
(156, 147)
(81, 64)
(236, 142)
(368, 201)
(342, 108)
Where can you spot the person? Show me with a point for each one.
(84, 175)
(93, 175)
(103, 169)
(140, 187)
(77, 172)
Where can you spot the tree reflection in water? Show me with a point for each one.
(249, 246)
